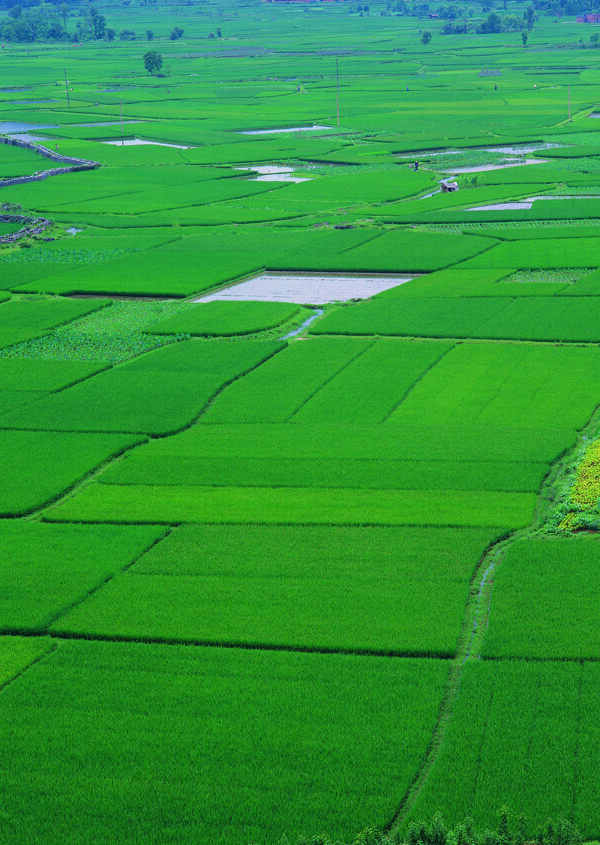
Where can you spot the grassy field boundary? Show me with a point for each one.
(478, 609)
(415, 383)
(344, 366)
(108, 578)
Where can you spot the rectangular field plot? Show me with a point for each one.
(340, 506)
(562, 318)
(546, 600)
(211, 745)
(517, 725)
(541, 254)
(157, 464)
(490, 384)
(414, 440)
(415, 317)
(391, 590)
(373, 385)
(157, 393)
(37, 466)
(46, 568)
(408, 251)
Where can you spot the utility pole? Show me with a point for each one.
(67, 87)
(122, 137)
(569, 97)
(337, 73)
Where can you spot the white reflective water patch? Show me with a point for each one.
(138, 142)
(503, 206)
(315, 127)
(307, 289)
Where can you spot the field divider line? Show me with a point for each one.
(415, 383)
(74, 430)
(220, 390)
(449, 697)
(330, 379)
(31, 663)
(328, 524)
(97, 587)
(147, 438)
(71, 489)
(229, 644)
(517, 341)
(374, 236)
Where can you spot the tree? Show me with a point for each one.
(176, 33)
(529, 17)
(524, 37)
(594, 39)
(98, 23)
(153, 62)
(110, 34)
(218, 32)
(493, 23)
(25, 24)
(149, 35)
(426, 37)
(127, 35)
(64, 13)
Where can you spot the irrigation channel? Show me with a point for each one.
(478, 608)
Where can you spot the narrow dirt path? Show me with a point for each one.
(477, 611)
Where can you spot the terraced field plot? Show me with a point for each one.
(299, 491)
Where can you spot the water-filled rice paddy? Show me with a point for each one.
(304, 288)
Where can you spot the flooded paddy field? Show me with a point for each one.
(307, 288)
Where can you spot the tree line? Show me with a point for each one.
(49, 22)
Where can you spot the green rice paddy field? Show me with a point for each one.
(277, 567)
